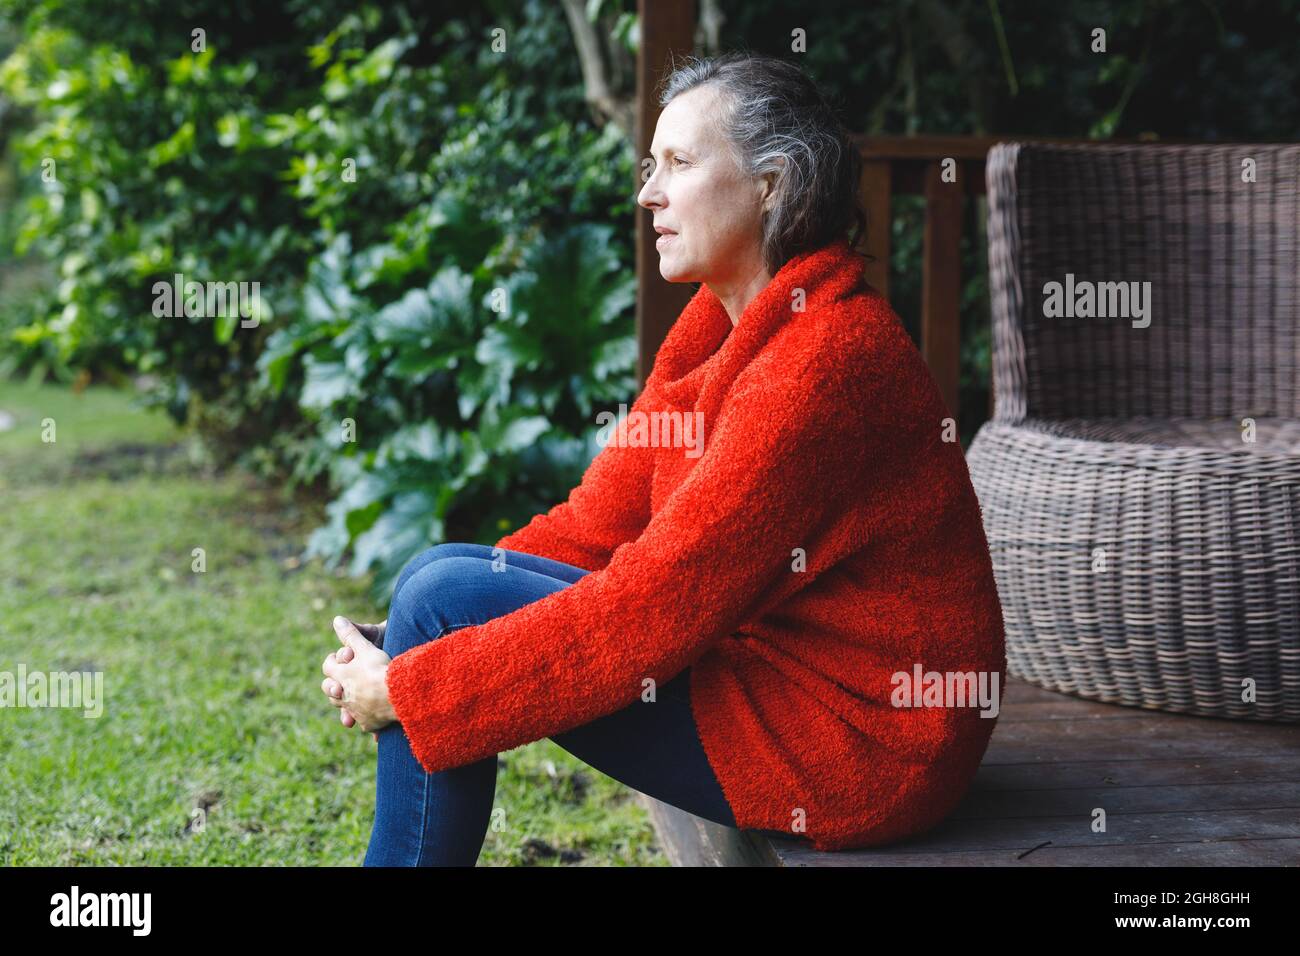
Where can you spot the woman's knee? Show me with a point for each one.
(437, 552)
(434, 599)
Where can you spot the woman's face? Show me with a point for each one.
(714, 210)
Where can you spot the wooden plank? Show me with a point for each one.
(1168, 735)
(925, 147)
(1067, 706)
(909, 176)
(1020, 690)
(941, 283)
(876, 190)
(1258, 768)
(1123, 829)
(1032, 751)
(667, 28)
(929, 147)
(1073, 801)
(689, 840)
(1073, 709)
(1280, 852)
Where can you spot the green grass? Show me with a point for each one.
(212, 709)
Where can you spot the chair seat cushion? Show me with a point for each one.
(1245, 435)
(1261, 449)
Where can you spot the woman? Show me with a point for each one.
(737, 632)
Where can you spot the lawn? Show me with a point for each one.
(215, 745)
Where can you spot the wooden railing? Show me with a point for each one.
(894, 165)
(903, 165)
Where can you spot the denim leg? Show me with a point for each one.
(441, 819)
(650, 746)
(654, 747)
(458, 549)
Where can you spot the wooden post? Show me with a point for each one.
(941, 282)
(667, 27)
(875, 189)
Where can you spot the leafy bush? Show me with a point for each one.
(425, 403)
(444, 303)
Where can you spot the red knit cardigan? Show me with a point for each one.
(827, 539)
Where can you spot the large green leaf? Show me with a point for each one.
(326, 383)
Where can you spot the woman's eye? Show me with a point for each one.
(678, 159)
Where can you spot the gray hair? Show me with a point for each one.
(777, 120)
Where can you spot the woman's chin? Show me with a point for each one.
(672, 271)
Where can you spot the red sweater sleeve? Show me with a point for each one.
(611, 505)
(787, 451)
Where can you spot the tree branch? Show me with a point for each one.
(606, 104)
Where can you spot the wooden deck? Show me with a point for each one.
(1177, 791)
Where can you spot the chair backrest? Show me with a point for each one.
(1176, 271)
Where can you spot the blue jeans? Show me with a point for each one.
(441, 819)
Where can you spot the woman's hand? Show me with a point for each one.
(374, 633)
(356, 676)
(335, 689)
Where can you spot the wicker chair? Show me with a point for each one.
(1140, 483)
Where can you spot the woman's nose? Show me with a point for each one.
(649, 194)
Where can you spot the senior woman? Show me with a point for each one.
(793, 632)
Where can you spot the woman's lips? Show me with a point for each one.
(665, 239)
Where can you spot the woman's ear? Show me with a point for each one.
(768, 189)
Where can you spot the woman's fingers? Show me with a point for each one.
(333, 690)
(374, 633)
